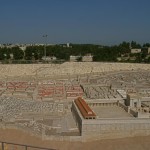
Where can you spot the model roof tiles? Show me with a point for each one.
(85, 110)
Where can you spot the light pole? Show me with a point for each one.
(45, 36)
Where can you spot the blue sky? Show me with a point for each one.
(106, 22)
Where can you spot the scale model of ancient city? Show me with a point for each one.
(76, 101)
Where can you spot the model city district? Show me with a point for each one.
(76, 101)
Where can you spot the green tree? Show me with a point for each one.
(18, 54)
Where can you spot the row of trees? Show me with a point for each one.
(7, 53)
(99, 52)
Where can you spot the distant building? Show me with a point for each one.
(23, 48)
(133, 58)
(49, 58)
(119, 58)
(87, 58)
(1, 46)
(74, 58)
(68, 44)
(11, 56)
(135, 51)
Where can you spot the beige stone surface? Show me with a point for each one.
(66, 68)
(136, 143)
(110, 112)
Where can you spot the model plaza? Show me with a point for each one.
(76, 101)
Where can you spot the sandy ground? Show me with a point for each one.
(136, 143)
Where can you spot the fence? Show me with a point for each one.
(14, 146)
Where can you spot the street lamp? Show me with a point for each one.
(45, 36)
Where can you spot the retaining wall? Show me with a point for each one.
(115, 128)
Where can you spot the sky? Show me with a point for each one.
(105, 22)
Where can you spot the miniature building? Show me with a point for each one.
(85, 110)
(122, 93)
(133, 100)
(107, 121)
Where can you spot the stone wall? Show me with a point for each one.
(43, 136)
(115, 128)
(77, 116)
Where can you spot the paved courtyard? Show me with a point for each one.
(110, 112)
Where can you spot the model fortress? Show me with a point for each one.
(76, 101)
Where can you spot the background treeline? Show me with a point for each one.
(62, 52)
